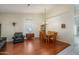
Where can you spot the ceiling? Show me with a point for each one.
(24, 8)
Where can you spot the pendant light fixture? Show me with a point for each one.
(43, 26)
(45, 19)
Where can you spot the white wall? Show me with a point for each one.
(8, 30)
(76, 19)
(76, 10)
(64, 16)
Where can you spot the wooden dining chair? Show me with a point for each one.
(43, 36)
(53, 35)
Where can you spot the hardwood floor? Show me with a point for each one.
(33, 47)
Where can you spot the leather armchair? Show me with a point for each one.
(18, 37)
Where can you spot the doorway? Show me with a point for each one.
(76, 33)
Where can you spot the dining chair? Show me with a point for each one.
(43, 36)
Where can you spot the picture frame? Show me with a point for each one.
(63, 25)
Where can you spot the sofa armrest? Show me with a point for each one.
(1, 40)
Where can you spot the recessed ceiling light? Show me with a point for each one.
(28, 4)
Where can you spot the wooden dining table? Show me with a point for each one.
(51, 36)
(48, 36)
